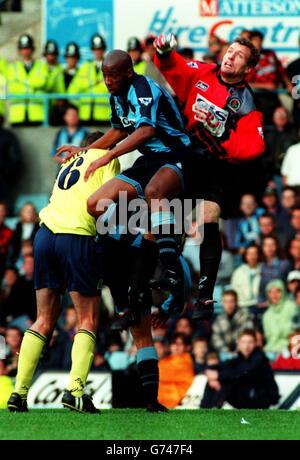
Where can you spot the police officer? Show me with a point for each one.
(90, 80)
(27, 76)
(51, 53)
(54, 69)
(135, 51)
(72, 56)
(55, 79)
(60, 77)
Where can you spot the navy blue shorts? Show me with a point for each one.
(65, 261)
(146, 166)
(209, 178)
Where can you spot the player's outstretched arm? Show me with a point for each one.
(180, 75)
(131, 143)
(108, 140)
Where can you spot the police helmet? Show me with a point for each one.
(98, 42)
(134, 44)
(51, 47)
(25, 41)
(72, 50)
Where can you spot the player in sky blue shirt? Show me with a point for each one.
(146, 118)
(147, 103)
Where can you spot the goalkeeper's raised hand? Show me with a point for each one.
(165, 44)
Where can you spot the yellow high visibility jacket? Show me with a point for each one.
(56, 81)
(3, 73)
(21, 82)
(87, 80)
(56, 84)
(3, 67)
(140, 67)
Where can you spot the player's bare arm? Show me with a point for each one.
(107, 141)
(132, 142)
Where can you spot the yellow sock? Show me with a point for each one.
(82, 358)
(32, 346)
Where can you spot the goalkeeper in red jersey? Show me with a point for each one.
(226, 130)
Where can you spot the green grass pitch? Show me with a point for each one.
(131, 424)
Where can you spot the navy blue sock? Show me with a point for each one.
(210, 256)
(163, 228)
(143, 268)
(147, 363)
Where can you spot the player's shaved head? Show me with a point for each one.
(117, 71)
(118, 60)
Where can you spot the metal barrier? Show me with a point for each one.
(47, 97)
